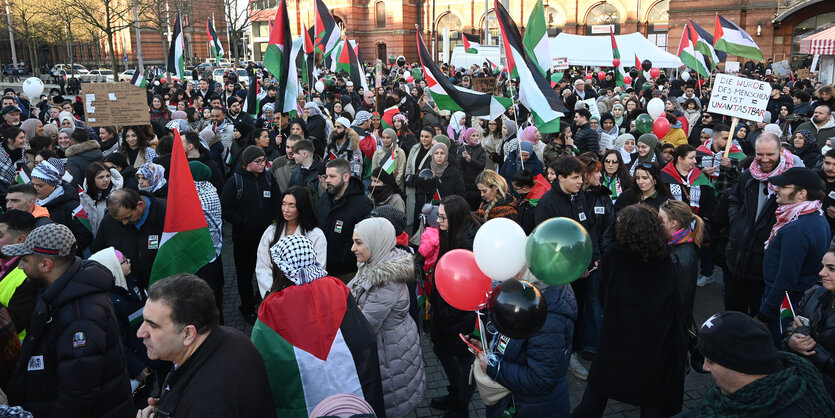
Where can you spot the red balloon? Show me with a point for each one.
(601, 75)
(661, 127)
(627, 80)
(409, 79)
(461, 282)
(588, 76)
(654, 73)
(616, 62)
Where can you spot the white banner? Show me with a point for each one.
(739, 97)
(731, 67)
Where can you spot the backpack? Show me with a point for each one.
(239, 184)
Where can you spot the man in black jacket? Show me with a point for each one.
(249, 201)
(133, 225)
(219, 372)
(585, 139)
(344, 206)
(72, 363)
(60, 199)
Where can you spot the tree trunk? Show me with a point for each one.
(111, 49)
(33, 58)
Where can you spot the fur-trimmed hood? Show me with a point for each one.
(83, 147)
(398, 267)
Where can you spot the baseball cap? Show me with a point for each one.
(10, 108)
(50, 239)
(803, 178)
(738, 342)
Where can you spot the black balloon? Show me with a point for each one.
(425, 181)
(633, 73)
(517, 308)
(646, 65)
(401, 61)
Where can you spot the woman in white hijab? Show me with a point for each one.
(383, 296)
(457, 126)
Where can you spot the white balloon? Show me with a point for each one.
(685, 76)
(655, 108)
(33, 87)
(647, 76)
(320, 86)
(499, 248)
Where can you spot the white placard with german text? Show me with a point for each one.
(739, 97)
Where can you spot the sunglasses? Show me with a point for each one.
(610, 161)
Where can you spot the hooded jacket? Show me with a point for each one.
(338, 218)
(96, 206)
(821, 134)
(79, 156)
(71, 363)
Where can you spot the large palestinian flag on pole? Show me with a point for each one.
(730, 38)
(703, 42)
(453, 98)
(688, 54)
(176, 52)
(214, 41)
(327, 31)
(186, 244)
(349, 63)
(316, 343)
(536, 39)
(471, 43)
(619, 73)
(535, 91)
(280, 62)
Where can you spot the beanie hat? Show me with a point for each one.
(391, 133)
(200, 171)
(251, 153)
(649, 140)
(766, 117)
(736, 341)
(773, 128)
(49, 171)
(394, 215)
(178, 114)
(443, 139)
(707, 131)
(430, 214)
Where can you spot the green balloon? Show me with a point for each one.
(644, 123)
(559, 251)
(417, 73)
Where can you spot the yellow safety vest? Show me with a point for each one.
(8, 286)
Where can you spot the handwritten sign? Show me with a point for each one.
(119, 104)
(739, 97)
(561, 63)
(484, 84)
(731, 67)
(593, 109)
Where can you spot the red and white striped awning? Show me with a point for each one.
(822, 43)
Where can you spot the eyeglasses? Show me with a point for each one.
(610, 161)
(125, 260)
(442, 217)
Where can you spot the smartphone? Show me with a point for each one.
(467, 341)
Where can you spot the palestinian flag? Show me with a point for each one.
(786, 310)
(327, 32)
(186, 244)
(279, 60)
(638, 62)
(138, 79)
(535, 92)
(734, 40)
(387, 120)
(556, 77)
(735, 153)
(436, 198)
(616, 56)
(688, 54)
(540, 186)
(315, 343)
(390, 163)
(252, 103)
(80, 214)
(307, 68)
(694, 178)
(471, 43)
(703, 42)
(176, 53)
(332, 156)
(536, 39)
(349, 63)
(214, 42)
(453, 98)
(24, 175)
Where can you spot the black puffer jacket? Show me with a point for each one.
(79, 156)
(72, 364)
(338, 218)
(470, 170)
(686, 262)
(60, 211)
(745, 250)
(260, 201)
(586, 139)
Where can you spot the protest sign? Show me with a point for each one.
(739, 97)
(484, 84)
(561, 63)
(593, 109)
(731, 67)
(781, 68)
(115, 104)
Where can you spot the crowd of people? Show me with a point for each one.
(340, 212)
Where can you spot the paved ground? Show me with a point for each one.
(708, 302)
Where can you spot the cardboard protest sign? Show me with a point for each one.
(484, 84)
(739, 97)
(115, 104)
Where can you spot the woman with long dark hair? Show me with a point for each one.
(405, 138)
(159, 111)
(297, 217)
(648, 188)
(136, 146)
(99, 182)
(641, 352)
(615, 175)
(457, 227)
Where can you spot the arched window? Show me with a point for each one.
(382, 54)
(603, 13)
(553, 20)
(380, 10)
(658, 19)
(451, 22)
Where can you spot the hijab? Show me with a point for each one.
(510, 141)
(378, 236)
(29, 126)
(529, 135)
(467, 134)
(438, 169)
(109, 259)
(618, 121)
(66, 115)
(511, 129)
(155, 174)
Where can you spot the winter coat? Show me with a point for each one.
(338, 218)
(79, 156)
(306, 177)
(471, 169)
(257, 207)
(227, 366)
(61, 211)
(450, 182)
(747, 234)
(127, 302)
(448, 322)
(395, 200)
(85, 378)
(676, 136)
(383, 297)
(686, 263)
(412, 168)
(602, 215)
(430, 117)
(348, 151)
(586, 139)
(822, 134)
(809, 153)
(138, 244)
(534, 369)
(96, 206)
(513, 164)
(642, 347)
(316, 128)
(792, 261)
(816, 305)
(505, 207)
(264, 263)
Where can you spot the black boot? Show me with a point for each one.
(458, 411)
(447, 402)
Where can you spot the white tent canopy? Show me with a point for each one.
(597, 50)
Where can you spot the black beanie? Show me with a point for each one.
(738, 342)
(251, 153)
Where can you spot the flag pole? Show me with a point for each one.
(518, 137)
